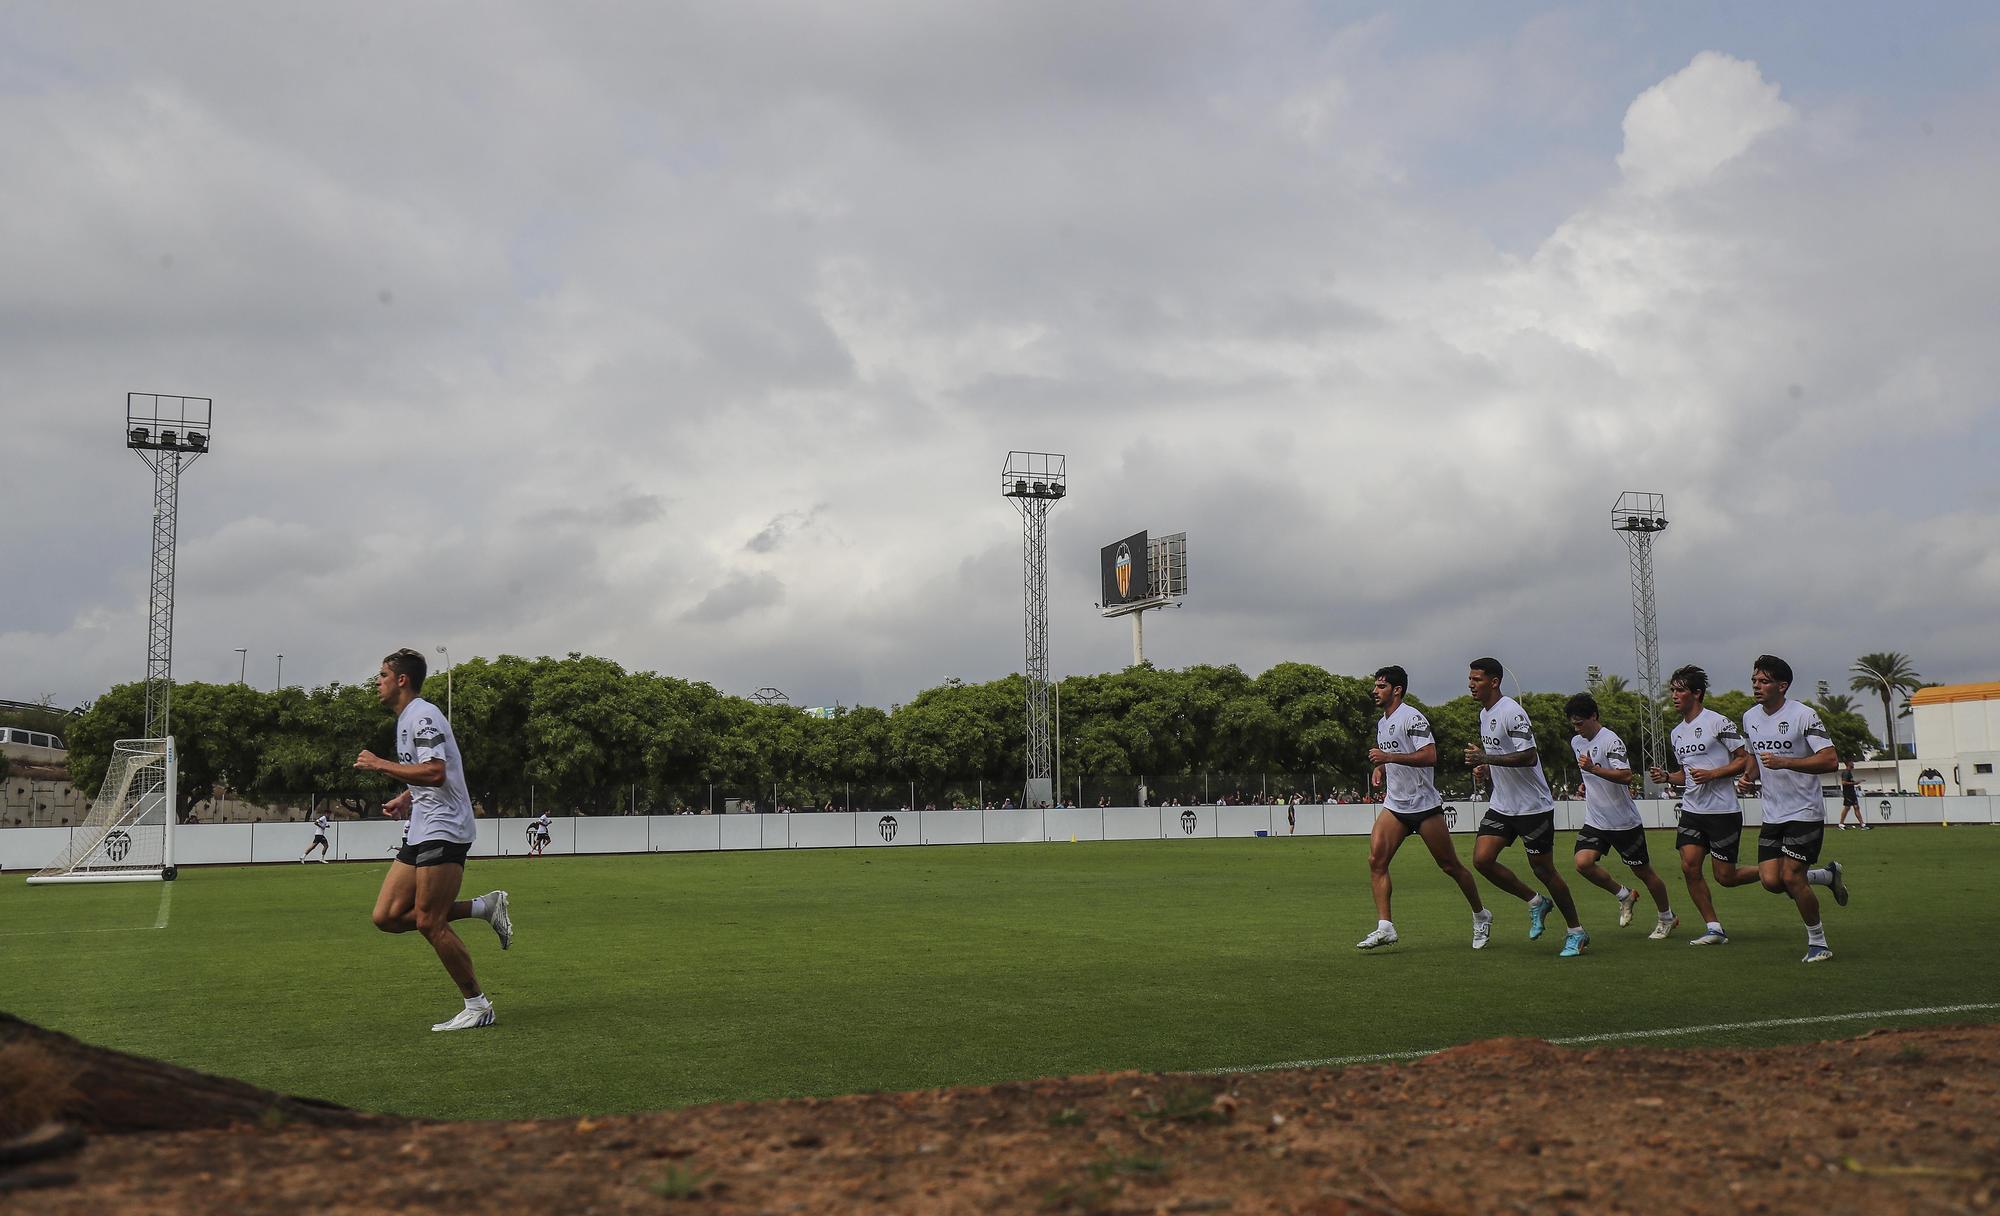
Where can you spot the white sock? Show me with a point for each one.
(1666, 914)
(478, 1002)
(1624, 893)
(1483, 914)
(483, 907)
(1816, 935)
(1715, 926)
(1386, 926)
(1819, 876)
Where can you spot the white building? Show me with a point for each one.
(1958, 737)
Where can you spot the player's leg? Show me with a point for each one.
(1436, 836)
(1691, 859)
(1589, 848)
(1785, 853)
(1383, 841)
(1540, 843)
(1387, 837)
(1632, 850)
(396, 902)
(1656, 887)
(436, 893)
(1544, 866)
(1496, 832)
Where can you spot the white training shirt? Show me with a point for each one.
(1607, 804)
(1409, 788)
(1794, 731)
(437, 812)
(1505, 729)
(1707, 742)
(321, 824)
(541, 825)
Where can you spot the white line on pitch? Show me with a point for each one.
(1384, 1057)
(159, 921)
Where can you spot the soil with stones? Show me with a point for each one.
(1894, 1121)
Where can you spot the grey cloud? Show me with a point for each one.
(741, 594)
(671, 276)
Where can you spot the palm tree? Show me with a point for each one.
(1885, 674)
(1836, 703)
(1912, 691)
(1608, 685)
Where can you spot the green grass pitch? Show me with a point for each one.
(654, 981)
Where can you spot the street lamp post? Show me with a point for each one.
(242, 663)
(446, 652)
(281, 670)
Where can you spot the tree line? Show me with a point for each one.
(582, 734)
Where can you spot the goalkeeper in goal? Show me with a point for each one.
(421, 890)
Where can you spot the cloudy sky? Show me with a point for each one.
(695, 336)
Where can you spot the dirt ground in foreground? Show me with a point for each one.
(1895, 1121)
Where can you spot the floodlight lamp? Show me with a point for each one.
(169, 439)
(1040, 489)
(138, 437)
(1020, 487)
(197, 442)
(1056, 490)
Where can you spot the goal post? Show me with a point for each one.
(128, 834)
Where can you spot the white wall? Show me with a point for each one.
(376, 841)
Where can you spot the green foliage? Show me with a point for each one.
(1852, 740)
(1883, 674)
(1731, 705)
(582, 734)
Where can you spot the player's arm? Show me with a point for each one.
(1521, 759)
(1735, 768)
(1822, 761)
(1623, 776)
(426, 772)
(1748, 779)
(1424, 757)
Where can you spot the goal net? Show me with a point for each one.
(128, 836)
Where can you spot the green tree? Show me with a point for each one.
(220, 731)
(1731, 705)
(119, 714)
(1884, 674)
(1851, 737)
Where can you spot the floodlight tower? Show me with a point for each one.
(1036, 482)
(1639, 516)
(170, 433)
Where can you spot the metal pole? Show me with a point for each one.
(1056, 697)
(281, 671)
(1138, 637)
(243, 663)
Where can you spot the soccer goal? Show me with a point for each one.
(128, 836)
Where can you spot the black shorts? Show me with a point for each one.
(1414, 820)
(1536, 832)
(541, 838)
(1629, 842)
(1721, 834)
(1799, 841)
(433, 853)
(317, 841)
